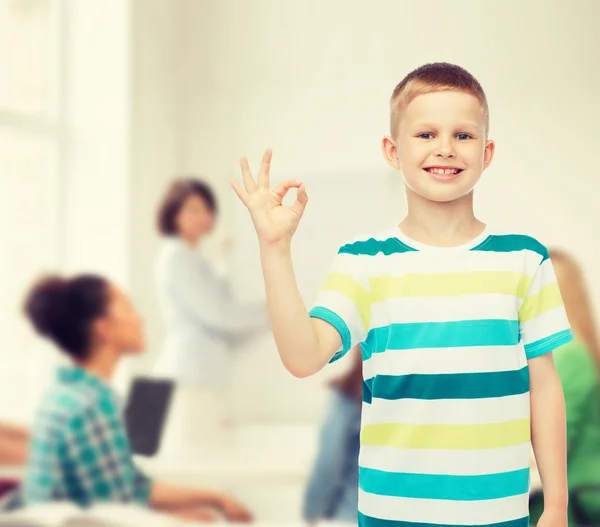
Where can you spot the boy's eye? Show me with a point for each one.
(426, 135)
(463, 137)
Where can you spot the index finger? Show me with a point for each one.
(265, 168)
(282, 189)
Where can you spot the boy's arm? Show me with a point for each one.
(548, 431)
(304, 345)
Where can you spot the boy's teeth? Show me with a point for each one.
(445, 171)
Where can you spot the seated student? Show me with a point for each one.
(332, 490)
(79, 447)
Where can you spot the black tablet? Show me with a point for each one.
(146, 411)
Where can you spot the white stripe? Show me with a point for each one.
(447, 411)
(544, 276)
(469, 359)
(545, 325)
(453, 462)
(444, 309)
(346, 309)
(418, 262)
(445, 512)
(350, 264)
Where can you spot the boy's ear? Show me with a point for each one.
(390, 153)
(488, 153)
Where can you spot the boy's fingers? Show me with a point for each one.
(241, 193)
(265, 168)
(247, 175)
(282, 189)
(301, 200)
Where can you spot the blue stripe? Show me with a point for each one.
(368, 521)
(487, 332)
(506, 243)
(452, 385)
(548, 344)
(371, 247)
(444, 487)
(336, 321)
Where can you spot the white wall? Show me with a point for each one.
(155, 138)
(119, 131)
(312, 80)
(86, 204)
(97, 109)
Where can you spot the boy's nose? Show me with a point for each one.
(446, 151)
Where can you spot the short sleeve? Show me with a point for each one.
(543, 323)
(344, 299)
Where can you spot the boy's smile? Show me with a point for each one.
(443, 172)
(441, 145)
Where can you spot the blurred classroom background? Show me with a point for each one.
(103, 103)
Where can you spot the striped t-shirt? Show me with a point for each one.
(446, 334)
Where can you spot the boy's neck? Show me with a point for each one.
(440, 224)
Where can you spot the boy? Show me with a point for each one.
(456, 324)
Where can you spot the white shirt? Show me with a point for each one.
(202, 318)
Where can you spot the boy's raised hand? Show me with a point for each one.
(274, 222)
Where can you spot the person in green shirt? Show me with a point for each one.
(578, 364)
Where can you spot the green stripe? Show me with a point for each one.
(452, 385)
(371, 247)
(494, 243)
(507, 243)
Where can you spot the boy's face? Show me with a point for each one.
(441, 145)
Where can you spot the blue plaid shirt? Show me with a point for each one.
(79, 448)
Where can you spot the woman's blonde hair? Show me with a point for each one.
(576, 298)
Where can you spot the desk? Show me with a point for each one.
(235, 465)
(265, 466)
(111, 515)
(115, 515)
(260, 453)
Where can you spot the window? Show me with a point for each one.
(29, 157)
(26, 49)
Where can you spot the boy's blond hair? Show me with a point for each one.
(435, 77)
